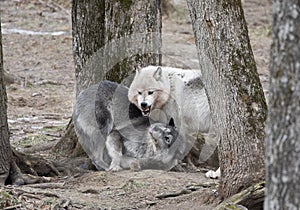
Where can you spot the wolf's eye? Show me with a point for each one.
(168, 140)
(150, 92)
(139, 92)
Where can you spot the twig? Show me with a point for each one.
(52, 135)
(47, 194)
(65, 203)
(174, 194)
(201, 185)
(189, 189)
(48, 185)
(52, 117)
(33, 193)
(48, 82)
(150, 203)
(31, 196)
(39, 147)
(91, 191)
(13, 207)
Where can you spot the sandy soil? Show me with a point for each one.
(41, 96)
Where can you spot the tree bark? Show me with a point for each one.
(110, 39)
(283, 126)
(5, 150)
(88, 37)
(234, 91)
(132, 37)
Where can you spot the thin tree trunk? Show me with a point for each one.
(283, 127)
(235, 94)
(5, 150)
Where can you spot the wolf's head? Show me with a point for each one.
(149, 90)
(163, 136)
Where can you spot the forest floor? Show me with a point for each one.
(37, 48)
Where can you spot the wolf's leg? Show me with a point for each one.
(118, 160)
(114, 148)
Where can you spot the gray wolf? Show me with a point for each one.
(115, 134)
(164, 92)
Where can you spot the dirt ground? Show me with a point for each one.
(37, 48)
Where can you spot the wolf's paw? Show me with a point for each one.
(115, 168)
(213, 174)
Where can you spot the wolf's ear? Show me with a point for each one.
(137, 68)
(171, 122)
(157, 73)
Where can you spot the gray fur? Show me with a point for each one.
(116, 136)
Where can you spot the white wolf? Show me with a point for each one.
(116, 136)
(164, 92)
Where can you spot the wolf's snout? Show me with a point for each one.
(145, 108)
(144, 105)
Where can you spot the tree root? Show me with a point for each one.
(35, 165)
(250, 198)
(28, 197)
(30, 169)
(68, 145)
(18, 178)
(26, 169)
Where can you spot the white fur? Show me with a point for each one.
(174, 98)
(213, 174)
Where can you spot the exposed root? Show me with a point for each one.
(250, 198)
(35, 165)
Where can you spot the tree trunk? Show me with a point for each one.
(110, 39)
(234, 91)
(132, 37)
(5, 150)
(283, 126)
(88, 28)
